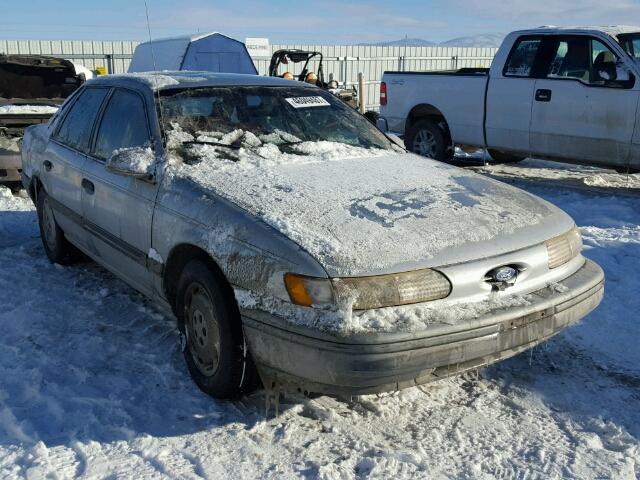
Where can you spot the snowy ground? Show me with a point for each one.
(92, 383)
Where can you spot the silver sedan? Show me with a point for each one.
(293, 241)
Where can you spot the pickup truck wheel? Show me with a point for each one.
(56, 246)
(502, 157)
(426, 138)
(215, 351)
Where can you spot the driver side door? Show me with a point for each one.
(577, 114)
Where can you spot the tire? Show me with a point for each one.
(502, 157)
(214, 351)
(426, 138)
(56, 246)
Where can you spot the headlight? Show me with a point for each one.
(369, 292)
(564, 247)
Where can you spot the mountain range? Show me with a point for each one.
(481, 40)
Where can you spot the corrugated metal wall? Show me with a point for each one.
(343, 62)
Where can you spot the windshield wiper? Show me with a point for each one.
(217, 144)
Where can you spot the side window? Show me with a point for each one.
(123, 125)
(571, 58)
(522, 57)
(604, 69)
(76, 127)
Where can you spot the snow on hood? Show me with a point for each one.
(366, 212)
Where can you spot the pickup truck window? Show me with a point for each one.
(124, 124)
(75, 130)
(631, 43)
(522, 57)
(581, 58)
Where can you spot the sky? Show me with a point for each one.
(297, 21)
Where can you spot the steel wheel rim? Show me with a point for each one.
(202, 330)
(48, 225)
(425, 143)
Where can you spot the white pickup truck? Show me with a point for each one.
(568, 94)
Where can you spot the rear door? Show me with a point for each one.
(581, 110)
(118, 209)
(64, 159)
(510, 95)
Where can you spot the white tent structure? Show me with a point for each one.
(212, 52)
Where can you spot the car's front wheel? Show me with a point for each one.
(426, 138)
(215, 351)
(56, 246)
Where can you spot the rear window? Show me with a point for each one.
(522, 57)
(76, 127)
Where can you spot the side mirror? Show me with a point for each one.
(623, 74)
(134, 162)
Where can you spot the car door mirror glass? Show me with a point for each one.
(623, 74)
(135, 162)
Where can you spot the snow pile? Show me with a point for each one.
(23, 109)
(563, 174)
(361, 210)
(136, 160)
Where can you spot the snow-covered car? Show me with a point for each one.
(286, 233)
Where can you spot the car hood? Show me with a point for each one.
(385, 213)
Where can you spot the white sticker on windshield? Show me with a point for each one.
(307, 102)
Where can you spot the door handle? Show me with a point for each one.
(47, 165)
(88, 186)
(543, 95)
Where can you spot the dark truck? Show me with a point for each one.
(32, 87)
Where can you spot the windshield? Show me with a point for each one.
(631, 43)
(251, 117)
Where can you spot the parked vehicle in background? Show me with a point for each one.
(31, 89)
(567, 94)
(287, 233)
(291, 56)
(211, 52)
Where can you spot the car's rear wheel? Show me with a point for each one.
(215, 350)
(426, 138)
(502, 157)
(56, 246)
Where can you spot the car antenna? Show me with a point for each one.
(155, 68)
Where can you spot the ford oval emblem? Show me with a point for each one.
(504, 274)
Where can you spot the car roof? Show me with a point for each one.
(158, 81)
(612, 30)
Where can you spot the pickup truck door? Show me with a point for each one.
(64, 159)
(509, 98)
(581, 110)
(117, 208)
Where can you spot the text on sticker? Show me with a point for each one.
(306, 102)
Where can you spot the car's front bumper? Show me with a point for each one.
(310, 360)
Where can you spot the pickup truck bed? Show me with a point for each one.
(464, 108)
